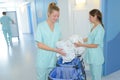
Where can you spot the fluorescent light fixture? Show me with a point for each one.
(78, 2)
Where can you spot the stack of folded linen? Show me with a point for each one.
(68, 47)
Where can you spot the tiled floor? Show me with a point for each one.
(18, 62)
(113, 76)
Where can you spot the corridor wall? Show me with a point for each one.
(111, 17)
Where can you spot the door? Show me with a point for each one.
(111, 16)
(14, 27)
(30, 18)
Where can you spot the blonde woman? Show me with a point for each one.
(48, 33)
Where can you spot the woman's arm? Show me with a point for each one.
(86, 45)
(45, 47)
(89, 45)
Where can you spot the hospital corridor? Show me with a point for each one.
(18, 60)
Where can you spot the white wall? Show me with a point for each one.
(75, 21)
(33, 16)
(23, 21)
(65, 18)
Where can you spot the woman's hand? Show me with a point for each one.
(85, 39)
(79, 44)
(60, 51)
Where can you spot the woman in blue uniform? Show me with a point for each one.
(6, 28)
(94, 44)
(48, 33)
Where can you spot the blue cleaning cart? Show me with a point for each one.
(73, 70)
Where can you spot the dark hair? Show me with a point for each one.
(4, 13)
(52, 6)
(96, 12)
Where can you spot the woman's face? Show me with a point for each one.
(53, 17)
(92, 18)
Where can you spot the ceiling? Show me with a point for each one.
(2, 1)
(12, 3)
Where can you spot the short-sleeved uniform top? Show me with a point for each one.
(5, 20)
(46, 36)
(95, 55)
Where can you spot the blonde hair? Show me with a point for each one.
(52, 6)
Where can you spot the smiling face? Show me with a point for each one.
(53, 12)
(53, 16)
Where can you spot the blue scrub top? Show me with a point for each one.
(5, 20)
(46, 36)
(95, 55)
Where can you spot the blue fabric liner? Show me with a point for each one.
(73, 70)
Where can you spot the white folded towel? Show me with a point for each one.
(69, 48)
